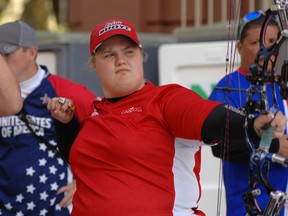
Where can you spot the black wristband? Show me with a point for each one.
(275, 145)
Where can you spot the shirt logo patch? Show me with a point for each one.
(131, 110)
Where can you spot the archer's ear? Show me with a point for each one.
(239, 47)
(92, 62)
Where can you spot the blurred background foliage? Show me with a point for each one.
(40, 14)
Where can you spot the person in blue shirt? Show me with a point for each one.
(236, 160)
(34, 180)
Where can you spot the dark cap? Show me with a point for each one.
(16, 34)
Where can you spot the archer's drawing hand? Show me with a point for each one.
(61, 109)
(279, 122)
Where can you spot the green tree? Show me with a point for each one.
(40, 14)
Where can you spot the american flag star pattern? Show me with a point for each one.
(37, 189)
(30, 172)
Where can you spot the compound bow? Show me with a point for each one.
(260, 158)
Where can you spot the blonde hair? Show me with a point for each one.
(91, 59)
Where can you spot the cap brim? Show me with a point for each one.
(7, 48)
(119, 34)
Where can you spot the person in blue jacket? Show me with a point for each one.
(236, 161)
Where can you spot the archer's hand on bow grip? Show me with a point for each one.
(268, 132)
(277, 121)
